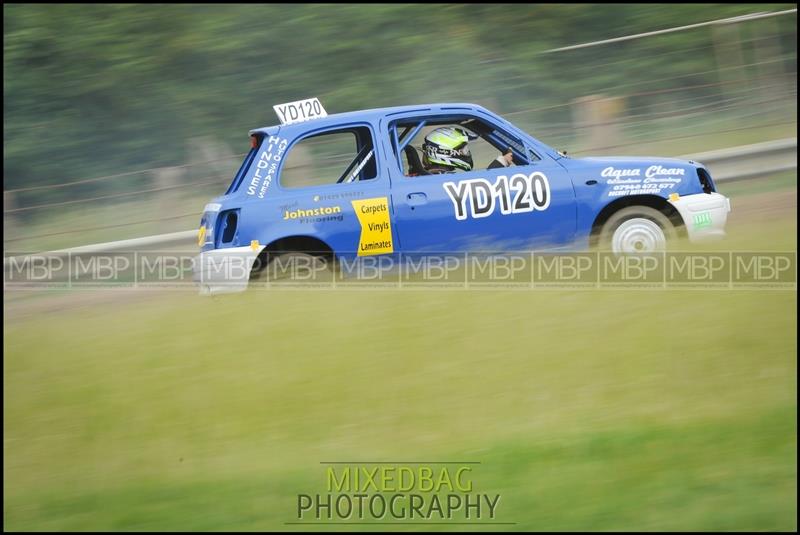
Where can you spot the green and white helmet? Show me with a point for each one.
(447, 147)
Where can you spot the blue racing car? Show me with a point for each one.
(438, 177)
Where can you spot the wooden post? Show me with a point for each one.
(730, 63)
(771, 84)
(167, 200)
(595, 119)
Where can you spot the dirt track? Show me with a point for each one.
(771, 206)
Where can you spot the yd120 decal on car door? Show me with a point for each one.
(477, 197)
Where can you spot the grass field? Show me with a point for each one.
(588, 409)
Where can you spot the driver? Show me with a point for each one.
(446, 150)
(505, 159)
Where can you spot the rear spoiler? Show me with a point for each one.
(266, 131)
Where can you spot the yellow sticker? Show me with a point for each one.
(201, 236)
(376, 227)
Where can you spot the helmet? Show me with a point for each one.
(447, 147)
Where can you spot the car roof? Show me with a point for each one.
(371, 114)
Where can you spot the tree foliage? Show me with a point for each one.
(107, 88)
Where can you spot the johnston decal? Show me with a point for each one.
(318, 214)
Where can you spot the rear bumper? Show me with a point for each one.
(224, 270)
(704, 215)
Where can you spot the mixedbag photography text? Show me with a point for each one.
(398, 492)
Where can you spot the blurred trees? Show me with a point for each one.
(101, 89)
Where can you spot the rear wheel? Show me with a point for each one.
(295, 266)
(637, 229)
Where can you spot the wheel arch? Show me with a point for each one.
(651, 201)
(295, 244)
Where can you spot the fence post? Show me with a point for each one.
(730, 63)
(770, 67)
(595, 119)
(167, 200)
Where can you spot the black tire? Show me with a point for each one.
(630, 215)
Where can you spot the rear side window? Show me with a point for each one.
(337, 156)
(237, 180)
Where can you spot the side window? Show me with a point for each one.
(485, 144)
(338, 156)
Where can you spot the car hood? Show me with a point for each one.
(620, 176)
(635, 160)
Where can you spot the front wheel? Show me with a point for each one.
(637, 229)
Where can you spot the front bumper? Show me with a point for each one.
(225, 270)
(704, 215)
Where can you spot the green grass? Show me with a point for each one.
(763, 216)
(588, 409)
(706, 477)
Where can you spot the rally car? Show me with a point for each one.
(357, 185)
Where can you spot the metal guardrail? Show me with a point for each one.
(183, 239)
(749, 161)
(736, 163)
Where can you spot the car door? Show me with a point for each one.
(327, 187)
(529, 206)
